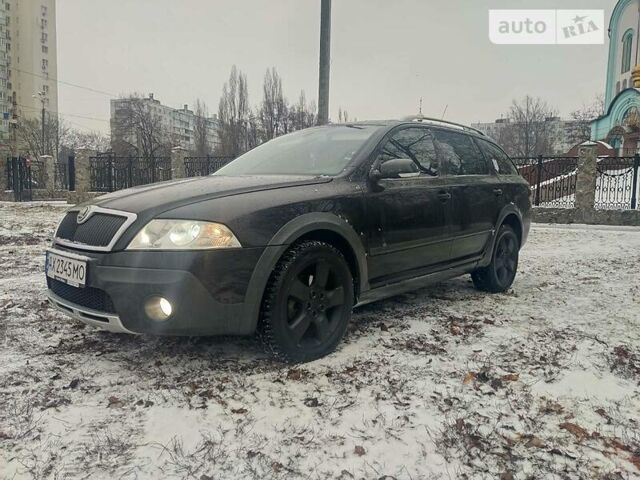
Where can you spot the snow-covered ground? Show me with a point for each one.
(446, 382)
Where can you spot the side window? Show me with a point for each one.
(459, 154)
(415, 143)
(500, 161)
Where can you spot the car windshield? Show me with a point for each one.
(313, 151)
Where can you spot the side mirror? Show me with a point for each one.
(396, 168)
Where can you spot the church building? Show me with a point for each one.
(620, 125)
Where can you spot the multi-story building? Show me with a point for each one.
(32, 53)
(176, 126)
(562, 134)
(28, 59)
(5, 94)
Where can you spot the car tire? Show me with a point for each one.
(498, 276)
(307, 303)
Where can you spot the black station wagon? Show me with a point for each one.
(289, 237)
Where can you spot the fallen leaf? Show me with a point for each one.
(506, 476)
(277, 466)
(359, 450)
(294, 374)
(239, 410)
(576, 430)
(74, 383)
(114, 402)
(535, 442)
(468, 378)
(510, 377)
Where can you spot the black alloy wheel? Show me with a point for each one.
(499, 275)
(307, 304)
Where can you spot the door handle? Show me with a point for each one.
(498, 192)
(444, 196)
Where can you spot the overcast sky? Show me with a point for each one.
(385, 55)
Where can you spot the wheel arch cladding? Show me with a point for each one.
(333, 229)
(514, 222)
(326, 227)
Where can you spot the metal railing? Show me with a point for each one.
(60, 176)
(19, 178)
(617, 183)
(552, 179)
(110, 172)
(200, 166)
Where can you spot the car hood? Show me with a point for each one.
(159, 197)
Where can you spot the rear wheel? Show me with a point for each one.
(307, 303)
(500, 273)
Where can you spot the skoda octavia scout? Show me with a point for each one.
(289, 237)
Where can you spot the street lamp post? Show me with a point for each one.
(42, 96)
(325, 59)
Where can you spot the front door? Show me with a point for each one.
(475, 191)
(409, 216)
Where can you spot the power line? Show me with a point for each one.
(95, 90)
(66, 114)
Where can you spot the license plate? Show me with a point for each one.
(66, 269)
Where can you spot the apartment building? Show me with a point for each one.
(177, 125)
(28, 59)
(562, 133)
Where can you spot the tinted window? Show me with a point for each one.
(459, 154)
(414, 143)
(313, 151)
(498, 158)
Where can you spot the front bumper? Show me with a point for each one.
(95, 318)
(209, 291)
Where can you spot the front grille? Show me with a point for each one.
(87, 297)
(97, 231)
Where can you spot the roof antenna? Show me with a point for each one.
(445, 111)
(420, 109)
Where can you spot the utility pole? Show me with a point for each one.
(42, 96)
(325, 60)
(13, 123)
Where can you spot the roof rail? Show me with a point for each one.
(421, 118)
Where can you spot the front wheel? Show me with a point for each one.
(307, 303)
(500, 273)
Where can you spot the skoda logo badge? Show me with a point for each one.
(83, 215)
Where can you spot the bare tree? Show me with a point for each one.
(201, 139)
(528, 132)
(302, 115)
(137, 128)
(233, 115)
(343, 115)
(30, 136)
(580, 127)
(273, 111)
(75, 139)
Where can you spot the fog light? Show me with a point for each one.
(158, 308)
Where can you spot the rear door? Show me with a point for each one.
(475, 191)
(507, 172)
(409, 217)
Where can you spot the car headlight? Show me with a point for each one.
(183, 235)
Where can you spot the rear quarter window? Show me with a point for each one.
(500, 161)
(460, 154)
